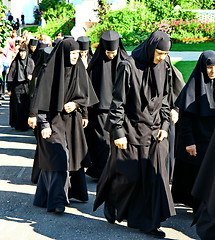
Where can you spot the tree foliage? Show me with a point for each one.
(5, 27)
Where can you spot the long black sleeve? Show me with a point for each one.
(115, 117)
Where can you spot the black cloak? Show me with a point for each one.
(204, 190)
(134, 180)
(54, 90)
(102, 71)
(197, 96)
(18, 84)
(195, 127)
(60, 83)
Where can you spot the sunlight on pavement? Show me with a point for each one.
(15, 228)
(5, 185)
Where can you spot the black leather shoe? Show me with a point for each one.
(157, 233)
(59, 210)
(109, 212)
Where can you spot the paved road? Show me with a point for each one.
(20, 220)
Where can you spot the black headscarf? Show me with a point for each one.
(197, 96)
(143, 55)
(62, 82)
(102, 70)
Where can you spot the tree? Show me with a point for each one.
(5, 27)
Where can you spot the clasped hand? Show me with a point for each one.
(46, 132)
(70, 107)
(161, 135)
(191, 150)
(121, 143)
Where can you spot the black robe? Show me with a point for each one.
(66, 149)
(204, 191)
(176, 84)
(44, 55)
(135, 180)
(18, 84)
(196, 125)
(102, 72)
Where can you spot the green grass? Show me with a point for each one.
(185, 67)
(187, 47)
(31, 29)
(193, 47)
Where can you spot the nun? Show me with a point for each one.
(85, 50)
(44, 56)
(102, 71)
(134, 184)
(32, 47)
(195, 127)
(63, 90)
(18, 81)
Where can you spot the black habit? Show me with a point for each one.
(102, 72)
(135, 180)
(195, 127)
(43, 57)
(18, 85)
(204, 190)
(66, 149)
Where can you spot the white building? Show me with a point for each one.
(17, 7)
(85, 9)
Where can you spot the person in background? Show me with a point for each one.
(134, 184)
(102, 71)
(32, 47)
(2, 82)
(85, 50)
(196, 124)
(58, 38)
(19, 75)
(23, 19)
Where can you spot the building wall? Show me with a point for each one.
(17, 7)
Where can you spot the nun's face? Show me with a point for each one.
(84, 53)
(159, 56)
(74, 55)
(111, 54)
(211, 71)
(33, 48)
(22, 54)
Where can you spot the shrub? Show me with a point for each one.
(59, 24)
(59, 16)
(133, 25)
(5, 26)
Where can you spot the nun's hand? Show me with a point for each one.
(174, 116)
(85, 122)
(161, 135)
(70, 107)
(29, 77)
(121, 143)
(191, 150)
(9, 93)
(46, 132)
(32, 122)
